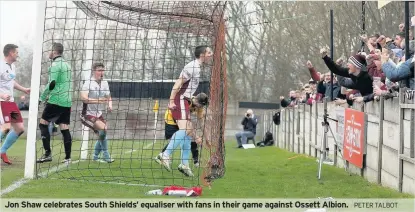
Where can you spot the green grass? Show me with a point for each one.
(16, 154)
(253, 173)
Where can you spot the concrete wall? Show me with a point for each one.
(301, 131)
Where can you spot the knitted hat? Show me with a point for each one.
(358, 60)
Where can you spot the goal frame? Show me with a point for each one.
(30, 158)
(33, 119)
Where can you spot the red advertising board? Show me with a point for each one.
(354, 136)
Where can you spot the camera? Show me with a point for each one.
(248, 115)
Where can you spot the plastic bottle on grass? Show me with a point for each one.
(155, 192)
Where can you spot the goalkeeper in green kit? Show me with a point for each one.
(58, 98)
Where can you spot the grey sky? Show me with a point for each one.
(17, 21)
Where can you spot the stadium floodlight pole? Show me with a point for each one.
(412, 148)
(86, 72)
(331, 51)
(407, 55)
(363, 24)
(35, 90)
(407, 27)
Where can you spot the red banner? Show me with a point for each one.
(354, 135)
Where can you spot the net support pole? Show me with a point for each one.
(331, 51)
(155, 126)
(156, 112)
(412, 144)
(407, 28)
(363, 24)
(86, 73)
(34, 94)
(264, 116)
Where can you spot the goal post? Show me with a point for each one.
(30, 158)
(86, 74)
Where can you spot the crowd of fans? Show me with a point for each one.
(380, 71)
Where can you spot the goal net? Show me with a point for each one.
(143, 46)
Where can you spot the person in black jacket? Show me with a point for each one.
(249, 123)
(355, 76)
(291, 102)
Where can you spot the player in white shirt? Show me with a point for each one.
(10, 115)
(180, 99)
(97, 98)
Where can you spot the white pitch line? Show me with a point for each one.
(14, 186)
(116, 183)
(134, 150)
(55, 169)
(23, 181)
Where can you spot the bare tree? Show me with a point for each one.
(268, 43)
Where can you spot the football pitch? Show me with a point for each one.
(267, 172)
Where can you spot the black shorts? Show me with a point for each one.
(169, 130)
(57, 114)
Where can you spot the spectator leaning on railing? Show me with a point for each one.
(315, 96)
(291, 102)
(359, 78)
(324, 85)
(365, 76)
(345, 95)
(402, 72)
(309, 95)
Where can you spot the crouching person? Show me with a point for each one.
(267, 141)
